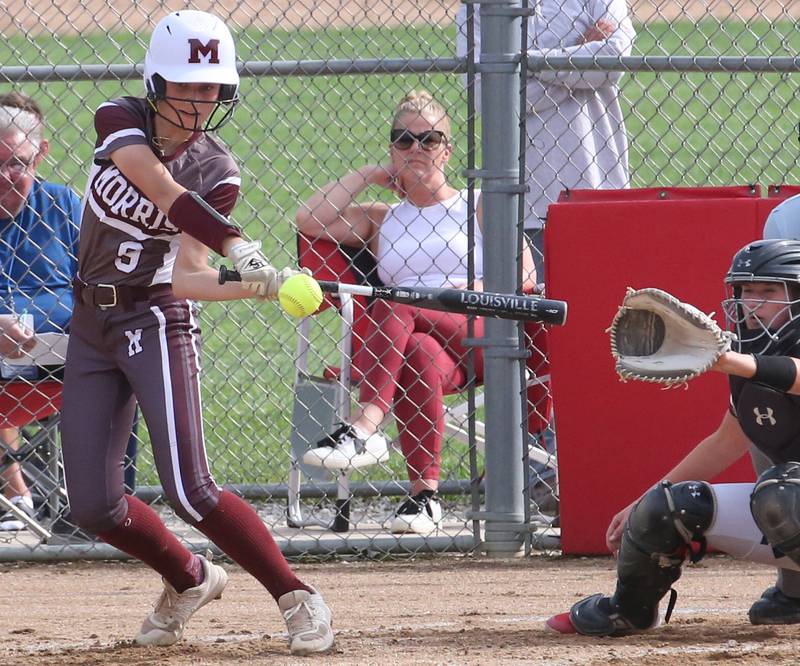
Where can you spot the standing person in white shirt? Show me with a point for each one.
(575, 129)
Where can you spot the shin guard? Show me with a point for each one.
(658, 535)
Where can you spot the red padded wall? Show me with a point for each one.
(782, 191)
(616, 439)
(670, 193)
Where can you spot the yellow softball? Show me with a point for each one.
(300, 295)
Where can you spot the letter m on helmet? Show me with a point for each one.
(210, 50)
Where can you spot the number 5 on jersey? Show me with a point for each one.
(128, 255)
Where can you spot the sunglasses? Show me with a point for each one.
(402, 139)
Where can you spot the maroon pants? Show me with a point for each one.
(150, 352)
(410, 358)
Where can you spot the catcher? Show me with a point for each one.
(656, 338)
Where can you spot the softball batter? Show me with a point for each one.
(146, 231)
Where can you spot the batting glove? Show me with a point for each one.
(280, 277)
(258, 275)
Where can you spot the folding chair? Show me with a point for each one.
(324, 399)
(33, 407)
(321, 400)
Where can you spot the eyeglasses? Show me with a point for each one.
(402, 139)
(16, 166)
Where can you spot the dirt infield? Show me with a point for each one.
(450, 610)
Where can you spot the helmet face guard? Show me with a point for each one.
(222, 112)
(765, 262)
(189, 46)
(761, 334)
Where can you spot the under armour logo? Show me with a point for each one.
(694, 490)
(197, 49)
(134, 339)
(767, 415)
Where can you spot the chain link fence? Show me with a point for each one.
(319, 88)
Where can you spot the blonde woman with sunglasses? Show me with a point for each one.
(410, 357)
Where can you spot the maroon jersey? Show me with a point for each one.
(125, 238)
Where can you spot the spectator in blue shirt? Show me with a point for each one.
(38, 248)
(39, 224)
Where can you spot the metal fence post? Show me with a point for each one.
(500, 66)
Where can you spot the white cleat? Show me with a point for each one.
(308, 620)
(165, 625)
(344, 449)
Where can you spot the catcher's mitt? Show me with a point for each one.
(657, 338)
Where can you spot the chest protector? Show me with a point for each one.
(770, 419)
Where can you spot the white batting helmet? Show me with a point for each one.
(189, 46)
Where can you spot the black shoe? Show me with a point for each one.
(420, 514)
(774, 607)
(598, 616)
(344, 449)
(11, 522)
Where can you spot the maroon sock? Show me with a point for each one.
(236, 529)
(143, 535)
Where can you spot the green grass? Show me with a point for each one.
(294, 134)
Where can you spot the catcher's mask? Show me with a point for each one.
(775, 262)
(189, 46)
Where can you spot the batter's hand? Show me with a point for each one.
(258, 275)
(280, 277)
(15, 339)
(616, 528)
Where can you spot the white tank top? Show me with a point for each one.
(428, 246)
